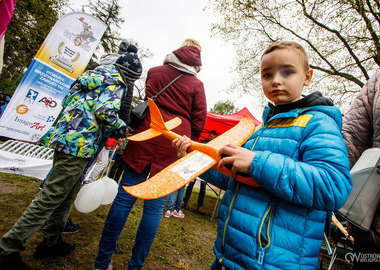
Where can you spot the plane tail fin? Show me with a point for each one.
(157, 124)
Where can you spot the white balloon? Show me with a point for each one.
(90, 197)
(110, 190)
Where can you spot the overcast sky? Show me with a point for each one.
(162, 26)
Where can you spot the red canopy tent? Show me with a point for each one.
(221, 123)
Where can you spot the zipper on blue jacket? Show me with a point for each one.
(261, 130)
(261, 251)
(261, 255)
(229, 214)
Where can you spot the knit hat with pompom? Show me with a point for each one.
(129, 64)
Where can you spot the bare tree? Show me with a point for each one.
(340, 36)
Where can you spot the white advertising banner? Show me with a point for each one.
(28, 166)
(63, 56)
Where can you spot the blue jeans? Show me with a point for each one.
(117, 217)
(171, 198)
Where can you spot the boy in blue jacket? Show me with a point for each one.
(299, 159)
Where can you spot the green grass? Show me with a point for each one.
(179, 244)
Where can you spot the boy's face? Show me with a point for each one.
(283, 76)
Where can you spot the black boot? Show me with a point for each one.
(70, 227)
(59, 249)
(13, 261)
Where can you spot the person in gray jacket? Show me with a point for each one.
(361, 130)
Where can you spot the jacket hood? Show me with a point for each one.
(92, 79)
(108, 59)
(189, 55)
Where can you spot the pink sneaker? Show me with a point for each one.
(168, 213)
(179, 214)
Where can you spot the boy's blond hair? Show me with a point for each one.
(192, 42)
(289, 45)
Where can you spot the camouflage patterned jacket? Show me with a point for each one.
(89, 108)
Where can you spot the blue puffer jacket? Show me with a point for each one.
(301, 164)
(90, 107)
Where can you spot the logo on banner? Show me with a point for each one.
(35, 125)
(67, 56)
(22, 109)
(38, 126)
(23, 122)
(45, 118)
(31, 96)
(48, 103)
(50, 119)
(84, 37)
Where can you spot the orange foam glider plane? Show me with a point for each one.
(200, 159)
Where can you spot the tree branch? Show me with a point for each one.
(340, 74)
(362, 12)
(333, 70)
(337, 34)
(374, 14)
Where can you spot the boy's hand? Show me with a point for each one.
(181, 146)
(240, 158)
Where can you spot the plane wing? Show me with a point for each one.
(194, 164)
(173, 177)
(237, 135)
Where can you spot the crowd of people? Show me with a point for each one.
(298, 156)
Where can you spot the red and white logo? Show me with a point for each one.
(47, 102)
